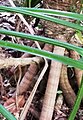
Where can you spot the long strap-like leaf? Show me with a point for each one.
(42, 53)
(6, 113)
(42, 39)
(42, 16)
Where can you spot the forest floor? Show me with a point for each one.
(22, 77)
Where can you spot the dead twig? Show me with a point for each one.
(7, 62)
(1, 86)
(17, 89)
(52, 86)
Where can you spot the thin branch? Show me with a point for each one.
(7, 62)
(52, 86)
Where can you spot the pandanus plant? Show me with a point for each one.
(49, 15)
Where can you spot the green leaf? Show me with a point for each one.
(72, 15)
(6, 113)
(77, 103)
(42, 39)
(42, 53)
(42, 16)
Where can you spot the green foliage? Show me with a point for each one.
(42, 53)
(46, 15)
(6, 113)
(43, 39)
(42, 16)
(77, 103)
